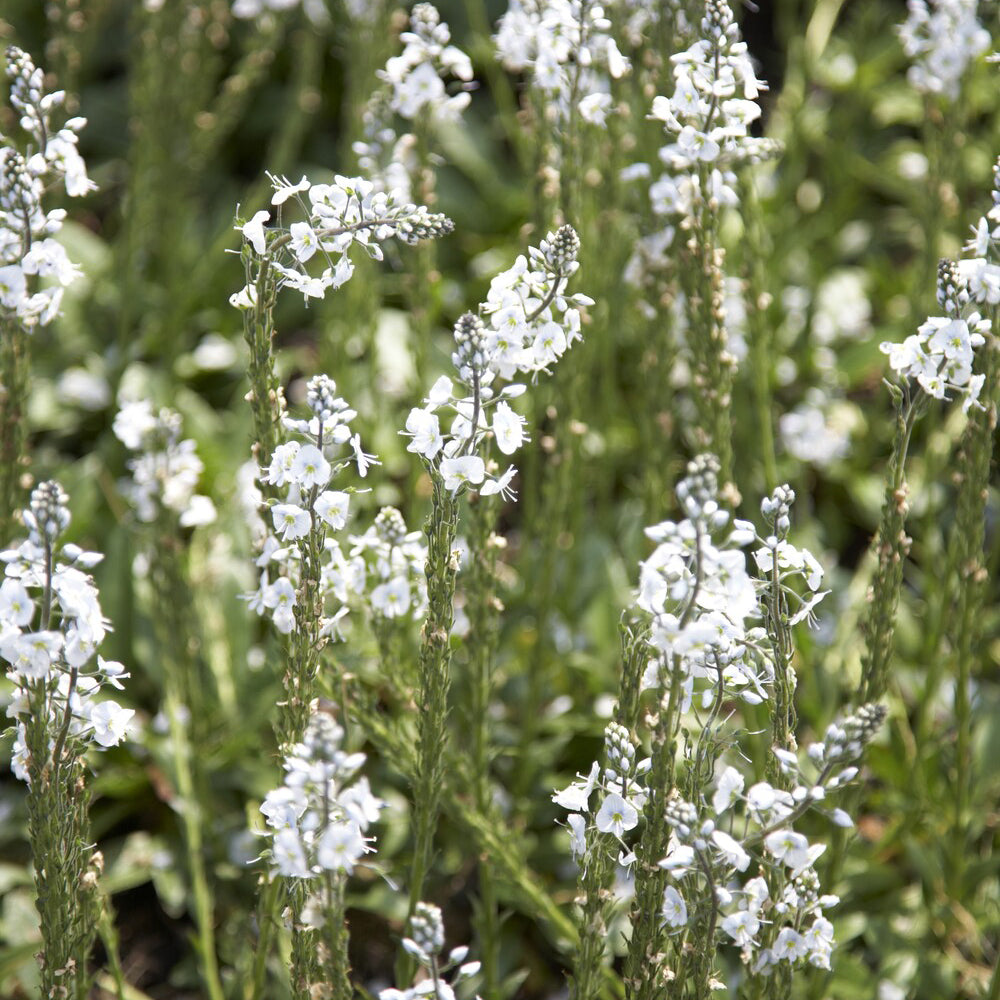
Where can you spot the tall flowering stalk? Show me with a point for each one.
(297, 554)
(529, 324)
(939, 358)
(29, 251)
(162, 491)
(51, 627)
(318, 822)
(568, 53)
(708, 119)
(978, 279)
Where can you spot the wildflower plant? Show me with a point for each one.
(52, 625)
(29, 251)
(318, 822)
(302, 568)
(706, 652)
(707, 120)
(532, 323)
(165, 471)
(337, 217)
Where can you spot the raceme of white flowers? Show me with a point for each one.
(415, 77)
(426, 944)
(708, 118)
(941, 353)
(778, 914)
(28, 249)
(50, 648)
(166, 470)
(703, 602)
(532, 322)
(337, 216)
(319, 818)
(387, 567)
(941, 37)
(700, 597)
(567, 48)
(621, 795)
(414, 88)
(306, 510)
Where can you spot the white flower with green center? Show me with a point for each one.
(616, 815)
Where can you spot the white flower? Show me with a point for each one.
(788, 846)
(576, 797)
(291, 521)
(731, 850)
(16, 607)
(577, 834)
(110, 723)
(616, 815)
(457, 472)
(393, 598)
(508, 428)
(500, 485)
(364, 461)
(310, 468)
(741, 927)
(594, 108)
(253, 231)
(729, 785)
(674, 908)
(331, 508)
(425, 431)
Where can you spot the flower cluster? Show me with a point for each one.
(415, 75)
(941, 38)
(941, 353)
(696, 587)
(568, 49)
(776, 916)
(780, 561)
(319, 817)
(51, 627)
(166, 470)
(391, 578)
(426, 944)
(702, 600)
(532, 322)
(708, 118)
(339, 215)
(622, 794)
(305, 509)
(28, 249)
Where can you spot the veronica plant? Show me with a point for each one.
(165, 471)
(47, 159)
(706, 654)
(531, 323)
(708, 119)
(318, 822)
(51, 627)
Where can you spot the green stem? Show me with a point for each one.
(435, 680)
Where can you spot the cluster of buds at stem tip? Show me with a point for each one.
(47, 515)
(777, 507)
(561, 250)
